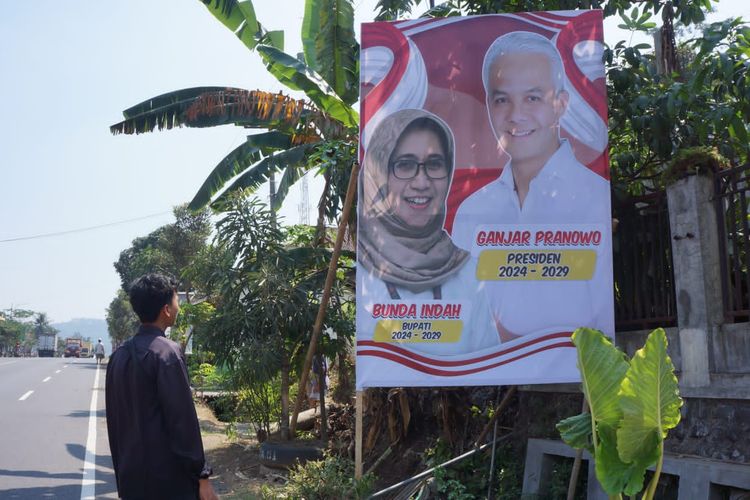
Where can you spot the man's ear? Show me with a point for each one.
(561, 103)
(165, 311)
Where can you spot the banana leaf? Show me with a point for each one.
(259, 173)
(330, 47)
(290, 177)
(236, 162)
(212, 106)
(297, 76)
(240, 18)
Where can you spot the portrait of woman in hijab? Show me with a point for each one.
(404, 252)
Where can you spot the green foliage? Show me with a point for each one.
(288, 160)
(121, 320)
(656, 115)
(632, 406)
(169, 249)
(192, 320)
(333, 159)
(259, 402)
(328, 37)
(296, 75)
(469, 478)
(267, 294)
(328, 73)
(691, 161)
(461, 481)
(254, 149)
(42, 326)
(15, 327)
(332, 477)
(239, 17)
(208, 377)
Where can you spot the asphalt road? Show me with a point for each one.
(53, 435)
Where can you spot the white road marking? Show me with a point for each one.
(57, 371)
(25, 395)
(88, 486)
(65, 366)
(8, 363)
(46, 379)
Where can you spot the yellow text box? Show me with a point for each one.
(414, 330)
(536, 265)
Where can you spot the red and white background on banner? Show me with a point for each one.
(436, 65)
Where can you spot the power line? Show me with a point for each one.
(83, 229)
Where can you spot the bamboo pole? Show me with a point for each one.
(350, 191)
(358, 435)
(498, 410)
(577, 462)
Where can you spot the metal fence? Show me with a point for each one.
(643, 272)
(732, 193)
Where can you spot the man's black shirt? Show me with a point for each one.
(153, 429)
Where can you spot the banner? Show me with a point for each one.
(484, 221)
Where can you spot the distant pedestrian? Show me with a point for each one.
(154, 434)
(99, 352)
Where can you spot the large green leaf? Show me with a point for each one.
(290, 177)
(259, 173)
(602, 369)
(576, 431)
(614, 475)
(240, 18)
(239, 160)
(650, 400)
(330, 46)
(297, 76)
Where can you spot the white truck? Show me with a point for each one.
(47, 345)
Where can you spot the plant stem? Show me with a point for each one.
(651, 491)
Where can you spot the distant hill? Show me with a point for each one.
(87, 327)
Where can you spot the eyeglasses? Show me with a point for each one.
(434, 168)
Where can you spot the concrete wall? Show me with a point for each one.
(699, 479)
(731, 348)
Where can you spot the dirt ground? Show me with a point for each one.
(238, 473)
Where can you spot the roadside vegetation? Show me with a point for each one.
(251, 285)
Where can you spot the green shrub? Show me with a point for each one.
(259, 403)
(330, 478)
(469, 477)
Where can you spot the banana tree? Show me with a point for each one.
(300, 134)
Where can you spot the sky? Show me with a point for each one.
(66, 74)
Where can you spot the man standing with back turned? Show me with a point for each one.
(153, 429)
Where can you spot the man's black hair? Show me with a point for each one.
(149, 293)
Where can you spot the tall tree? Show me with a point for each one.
(168, 249)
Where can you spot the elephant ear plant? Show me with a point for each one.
(633, 403)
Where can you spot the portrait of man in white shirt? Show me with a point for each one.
(543, 185)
